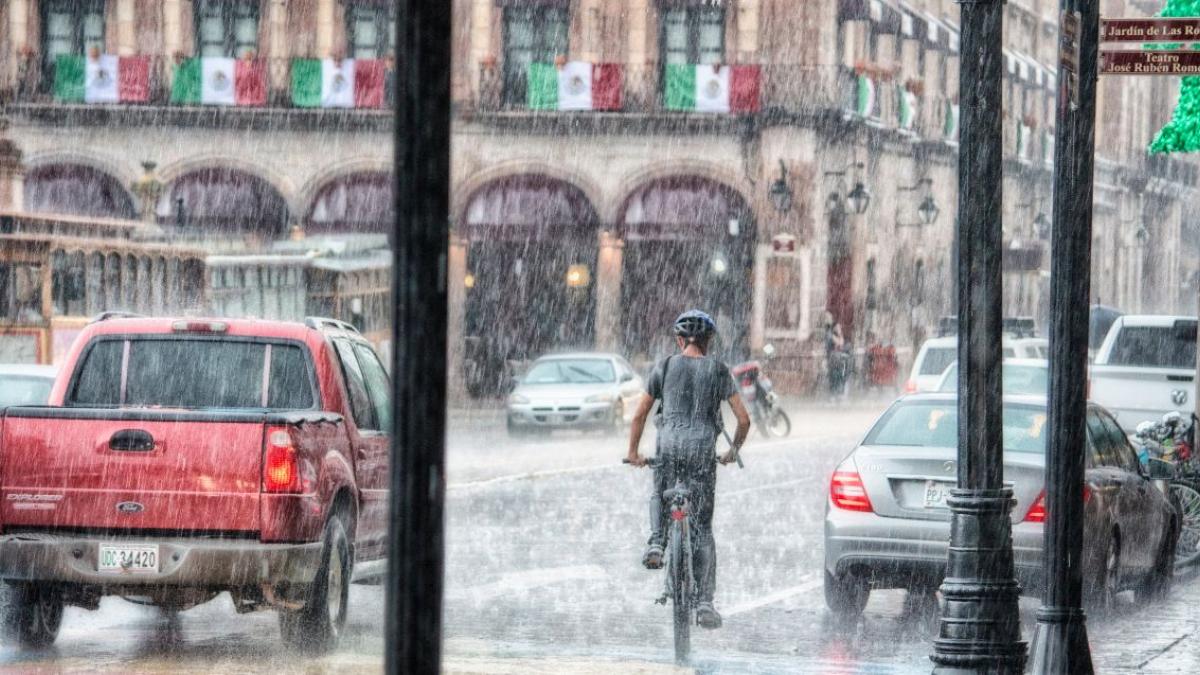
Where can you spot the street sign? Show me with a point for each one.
(1068, 57)
(1149, 62)
(783, 243)
(1150, 30)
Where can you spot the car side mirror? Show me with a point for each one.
(627, 377)
(1157, 469)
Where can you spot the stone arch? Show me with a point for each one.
(713, 172)
(306, 194)
(224, 199)
(356, 202)
(286, 188)
(76, 189)
(466, 188)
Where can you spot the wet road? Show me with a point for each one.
(544, 542)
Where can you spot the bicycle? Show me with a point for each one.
(1171, 440)
(681, 588)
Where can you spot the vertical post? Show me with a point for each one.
(1061, 643)
(980, 627)
(416, 552)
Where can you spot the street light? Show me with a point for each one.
(1041, 226)
(780, 192)
(859, 197)
(928, 210)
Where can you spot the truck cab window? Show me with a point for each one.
(379, 387)
(360, 401)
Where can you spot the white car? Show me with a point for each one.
(938, 353)
(1145, 368)
(585, 390)
(1020, 377)
(25, 385)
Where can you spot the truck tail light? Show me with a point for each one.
(847, 492)
(193, 326)
(281, 470)
(1037, 512)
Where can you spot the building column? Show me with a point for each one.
(456, 299)
(172, 37)
(590, 51)
(747, 31)
(640, 81)
(608, 291)
(758, 306)
(12, 173)
(482, 52)
(18, 27)
(324, 28)
(126, 24)
(278, 36)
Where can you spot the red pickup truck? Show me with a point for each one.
(182, 458)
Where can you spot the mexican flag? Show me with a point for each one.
(950, 128)
(577, 85)
(214, 80)
(329, 83)
(716, 89)
(106, 78)
(907, 111)
(865, 97)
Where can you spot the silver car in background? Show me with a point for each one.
(887, 524)
(25, 385)
(584, 390)
(1020, 377)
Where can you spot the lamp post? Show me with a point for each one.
(780, 193)
(980, 628)
(928, 209)
(859, 198)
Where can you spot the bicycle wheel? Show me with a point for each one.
(681, 597)
(1187, 550)
(780, 424)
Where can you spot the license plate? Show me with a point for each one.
(128, 558)
(935, 494)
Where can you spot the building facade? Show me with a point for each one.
(784, 164)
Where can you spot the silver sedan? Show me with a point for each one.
(585, 390)
(887, 524)
(25, 385)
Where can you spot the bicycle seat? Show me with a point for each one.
(679, 491)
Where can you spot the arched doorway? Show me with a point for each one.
(689, 242)
(75, 189)
(531, 258)
(359, 203)
(223, 201)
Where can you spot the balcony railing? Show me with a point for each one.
(255, 83)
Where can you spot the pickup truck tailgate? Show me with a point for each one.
(130, 470)
(1135, 394)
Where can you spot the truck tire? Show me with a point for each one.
(317, 627)
(32, 613)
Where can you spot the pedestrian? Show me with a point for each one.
(690, 387)
(835, 359)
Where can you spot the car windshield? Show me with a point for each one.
(1021, 379)
(936, 360)
(24, 390)
(934, 424)
(571, 371)
(1154, 347)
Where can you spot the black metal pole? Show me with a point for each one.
(420, 240)
(980, 625)
(1060, 643)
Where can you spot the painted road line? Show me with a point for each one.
(813, 582)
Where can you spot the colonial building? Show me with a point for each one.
(781, 163)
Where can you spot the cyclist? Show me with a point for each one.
(691, 386)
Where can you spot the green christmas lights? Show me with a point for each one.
(1182, 133)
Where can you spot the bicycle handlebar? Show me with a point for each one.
(655, 461)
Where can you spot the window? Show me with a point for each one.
(1155, 346)
(70, 28)
(932, 424)
(379, 387)
(571, 371)
(536, 34)
(370, 29)
(21, 292)
(68, 284)
(356, 386)
(226, 28)
(693, 35)
(1105, 451)
(1122, 453)
(937, 359)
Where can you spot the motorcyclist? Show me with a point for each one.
(691, 386)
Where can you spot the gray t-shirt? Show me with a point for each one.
(691, 397)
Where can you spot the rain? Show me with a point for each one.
(721, 237)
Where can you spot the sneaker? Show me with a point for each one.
(707, 616)
(652, 559)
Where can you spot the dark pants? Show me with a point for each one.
(694, 463)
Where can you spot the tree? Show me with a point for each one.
(1182, 133)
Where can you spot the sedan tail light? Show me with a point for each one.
(847, 492)
(1037, 512)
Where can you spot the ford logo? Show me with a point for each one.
(130, 507)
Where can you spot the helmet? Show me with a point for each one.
(693, 324)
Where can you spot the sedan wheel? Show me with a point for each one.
(1106, 579)
(846, 596)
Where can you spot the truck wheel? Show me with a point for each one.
(317, 627)
(32, 613)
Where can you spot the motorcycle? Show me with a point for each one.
(761, 398)
(1171, 440)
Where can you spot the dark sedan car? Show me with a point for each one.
(887, 524)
